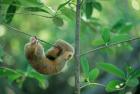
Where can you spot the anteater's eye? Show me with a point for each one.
(69, 56)
(50, 57)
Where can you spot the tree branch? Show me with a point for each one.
(17, 30)
(77, 49)
(107, 46)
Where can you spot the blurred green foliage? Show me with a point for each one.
(102, 22)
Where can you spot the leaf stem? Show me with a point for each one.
(98, 84)
(17, 30)
(110, 45)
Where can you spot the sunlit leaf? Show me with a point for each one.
(7, 71)
(119, 38)
(68, 13)
(36, 9)
(127, 27)
(110, 68)
(62, 5)
(36, 75)
(85, 66)
(113, 85)
(93, 74)
(30, 3)
(97, 42)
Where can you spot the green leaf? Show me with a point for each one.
(97, 42)
(127, 27)
(68, 13)
(132, 82)
(12, 78)
(122, 26)
(85, 66)
(118, 25)
(62, 5)
(135, 74)
(113, 85)
(39, 77)
(88, 10)
(36, 9)
(58, 21)
(97, 5)
(4, 5)
(10, 73)
(7, 72)
(30, 3)
(105, 35)
(93, 74)
(119, 38)
(10, 13)
(110, 68)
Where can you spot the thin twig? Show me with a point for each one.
(77, 48)
(110, 45)
(98, 84)
(17, 30)
(27, 14)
